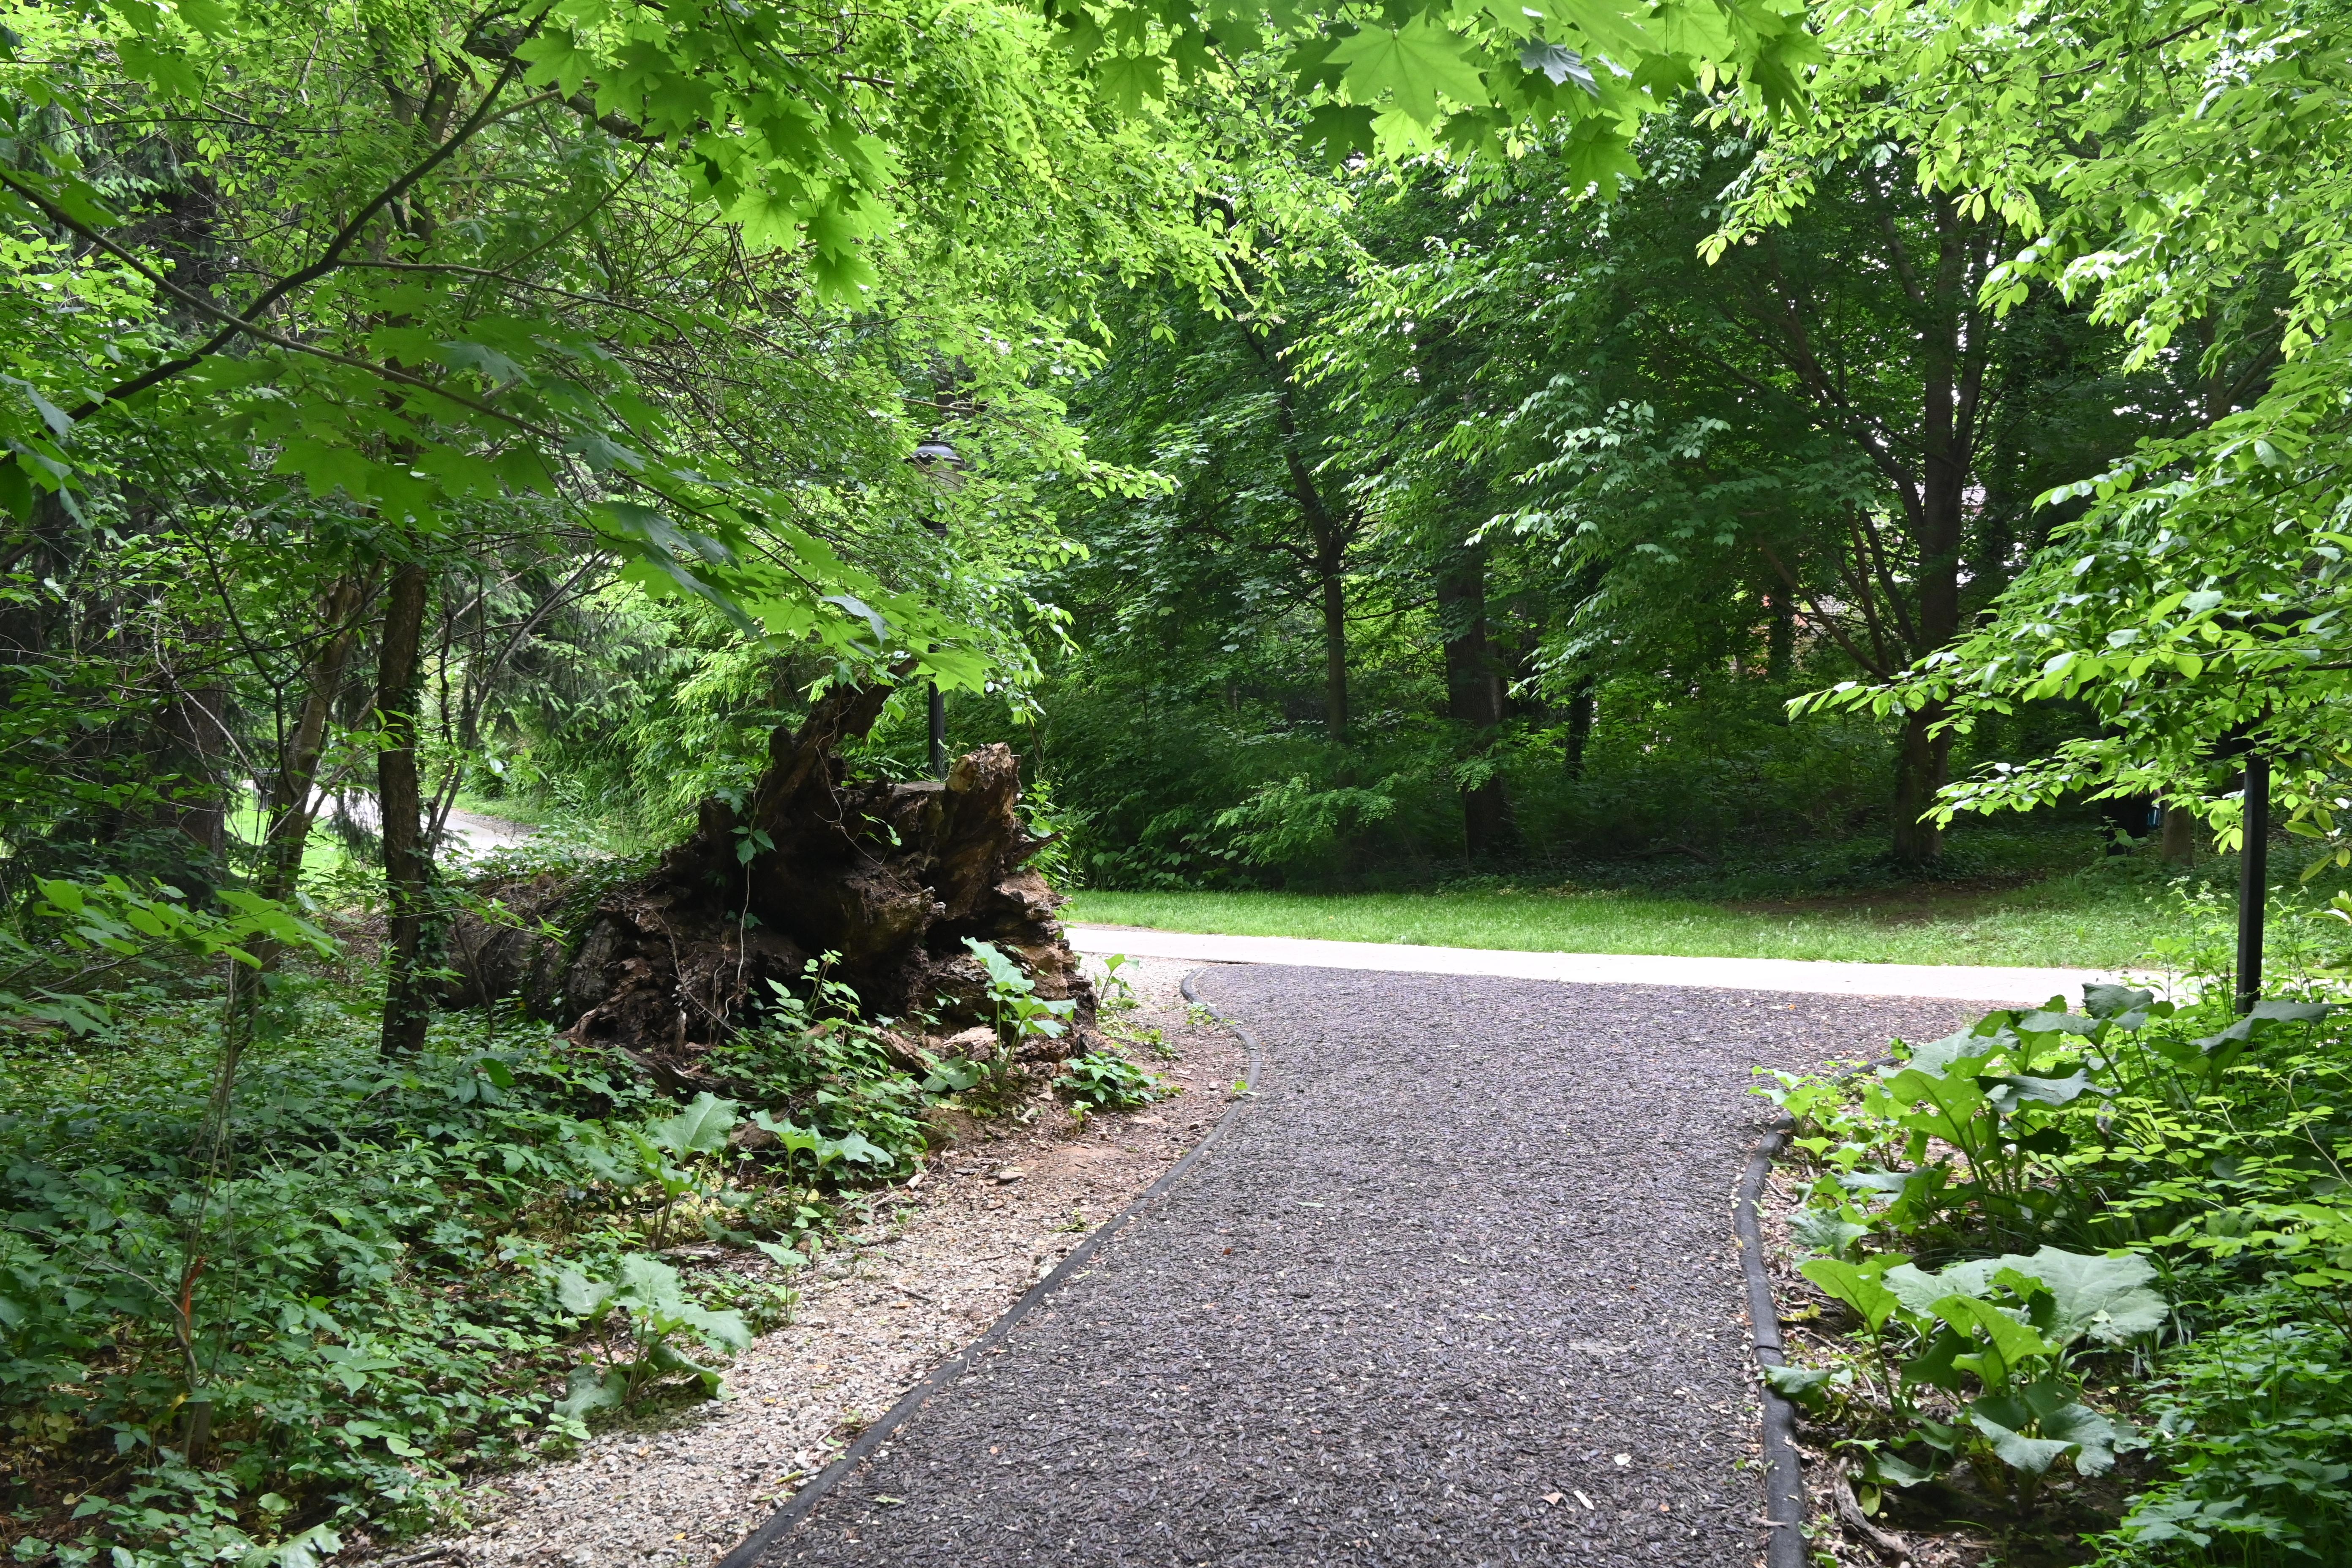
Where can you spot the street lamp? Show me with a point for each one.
(938, 462)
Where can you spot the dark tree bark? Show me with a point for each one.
(2178, 844)
(1335, 651)
(1780, 638)
(884, 881)
(289, 809)
(407, 865)
(1331, 530)
(1473, 692)
(1581, 711)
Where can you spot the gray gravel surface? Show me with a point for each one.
(1457, 1287)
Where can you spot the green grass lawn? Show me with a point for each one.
(2067, 922)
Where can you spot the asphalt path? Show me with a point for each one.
(1457, 1286)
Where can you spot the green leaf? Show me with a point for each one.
(2106, 1001)
(1824, 1230)
(1415, 62)
(700, 1128)
(2105, 1299)
(2010, 1344)
(1802, 1385)
(1609, 26)
(588, 1389)
(581, 1296)
(782, 1255)
(1341, 130)
(170, 72)
(1559, 65)
(647, 1284)
(2032, 1455)
(1853, 1285)
(1128, 80)
(721, 1331)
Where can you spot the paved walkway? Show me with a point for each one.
(1455, 1289)
(1961, 983)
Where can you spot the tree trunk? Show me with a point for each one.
(407, 867)
(290, 807)
(2177, 845)
(195, 727)
(1335, 651)
(1920, 764)
(1473, 693)
(1780, 638)
(1582, 708)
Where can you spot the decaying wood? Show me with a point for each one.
(892, 877)
(1849, 1510)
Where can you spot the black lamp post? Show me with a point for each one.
(942, 464)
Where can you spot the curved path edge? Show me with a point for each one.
(752, 1547)
(1784, 1474)
(1817, 977)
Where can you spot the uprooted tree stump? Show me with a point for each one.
(891, 877)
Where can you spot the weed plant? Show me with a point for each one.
(2063, 1236)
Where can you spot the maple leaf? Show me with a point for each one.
(1416, 62)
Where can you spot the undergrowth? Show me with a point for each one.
(391, 1276)
(2085, 1276)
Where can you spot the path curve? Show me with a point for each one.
(1458, 1287)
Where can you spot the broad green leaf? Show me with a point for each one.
(1416, 62)
(1559, 65)
(1612, 28)
(1801, 1384)
(2105, 1299)
(648, 1284)
(2032, 1455)
(1824, 1230)
(1852, 1284)
(587, 1389)
(723, 1330)
(700, 1128)
(1127, 81)
(2011, 1345)
(578, 1294)
(2107, 1001)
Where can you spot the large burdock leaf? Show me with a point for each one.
(2019, 1452)
(700, 1128)
(1853, 1285)
(579, 1295)
(589, 1389)
(2095, 1438)
(1416, 62)
(2106, 1299)
(647, 1284)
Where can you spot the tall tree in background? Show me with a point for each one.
(1827, 419)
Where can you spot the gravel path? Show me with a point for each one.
(1456, 1288)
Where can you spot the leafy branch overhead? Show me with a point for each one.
(1405, 77)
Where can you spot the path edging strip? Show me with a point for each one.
(754, 1546)
(1784, 1474)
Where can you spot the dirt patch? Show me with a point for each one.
(939, 1260)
